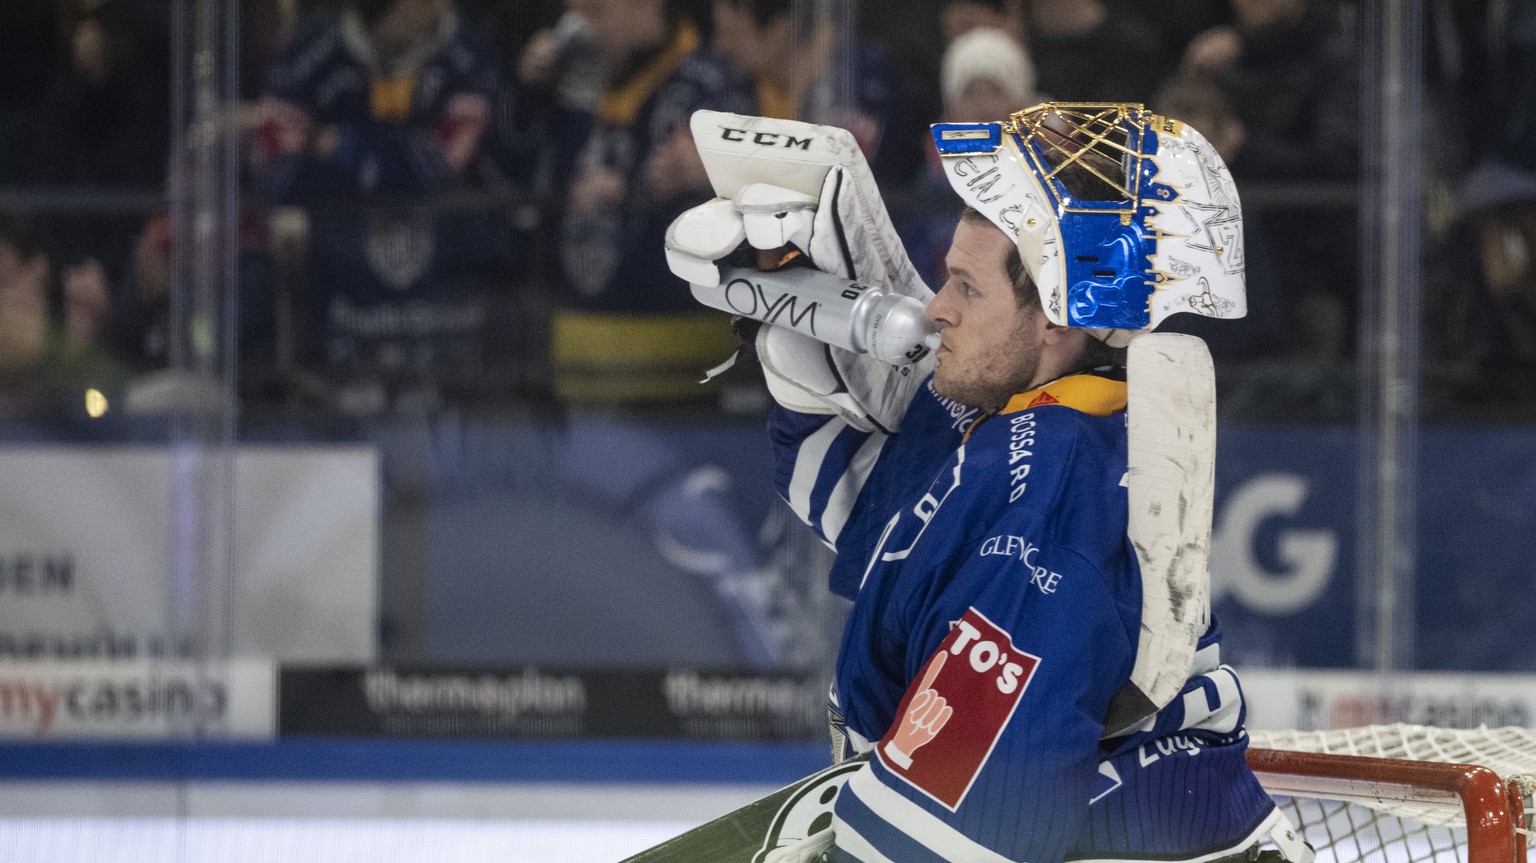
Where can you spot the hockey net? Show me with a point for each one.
(1404, 793)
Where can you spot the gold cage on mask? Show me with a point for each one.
(1087, 151)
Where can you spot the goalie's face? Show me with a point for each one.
(990, 345)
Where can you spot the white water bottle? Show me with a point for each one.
(861, 318)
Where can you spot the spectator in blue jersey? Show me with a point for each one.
(793, 56)
(627, 333)
(626, 329)
(386, 97)
(378, 107)
(987, 503)
(559, 78)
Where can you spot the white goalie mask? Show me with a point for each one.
(1122, 217)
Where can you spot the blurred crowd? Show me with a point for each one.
(463, 203)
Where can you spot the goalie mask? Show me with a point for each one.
(1122, 217)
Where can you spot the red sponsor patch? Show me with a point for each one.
(1043, 399)
(950, 719)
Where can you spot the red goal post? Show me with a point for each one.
(1404, 793)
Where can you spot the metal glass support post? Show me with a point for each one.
(203, 188)
(1391, 215)
(802, 554)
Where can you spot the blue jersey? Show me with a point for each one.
(626, 328)
(996, 609)
(410, 127)
(613, 259)
(394, 292)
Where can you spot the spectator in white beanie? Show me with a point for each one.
(986, 75)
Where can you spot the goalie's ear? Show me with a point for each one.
(1052, 333)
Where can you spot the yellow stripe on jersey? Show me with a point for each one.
(1086, 393)
(619, 107)
(1089, 394)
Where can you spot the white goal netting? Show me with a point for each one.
(1404, 811)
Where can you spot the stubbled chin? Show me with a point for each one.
(942, 384)
(971, 396)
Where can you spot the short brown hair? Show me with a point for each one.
(1095, 352)
(1024, 291)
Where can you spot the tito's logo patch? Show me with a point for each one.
(950, 720)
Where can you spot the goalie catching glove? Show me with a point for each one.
(850, 336)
